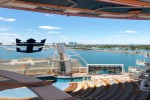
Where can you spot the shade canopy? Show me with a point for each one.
(121, 9)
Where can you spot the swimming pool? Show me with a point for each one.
(64, 78)
(61, 82)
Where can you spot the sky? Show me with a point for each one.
(60, 28)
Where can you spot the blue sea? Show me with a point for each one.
(92, 57)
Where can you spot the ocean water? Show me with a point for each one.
(92, 57)
(7, 55)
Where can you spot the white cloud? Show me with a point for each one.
(4, 29)
(7, 19)
(10, 19)
(130, 31)
(49, 27)
(1, 18)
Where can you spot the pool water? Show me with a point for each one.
(63, 78)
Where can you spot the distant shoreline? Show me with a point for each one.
(24, 59)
